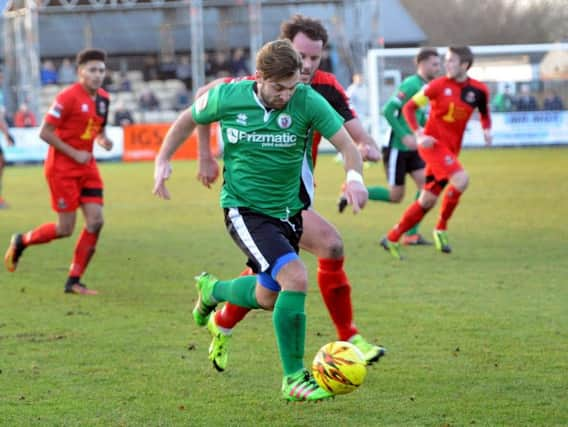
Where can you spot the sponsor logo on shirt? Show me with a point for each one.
(284, 121)
(448, 91)
(242, 119)
(55, 110)
(284, 139)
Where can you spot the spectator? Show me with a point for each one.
(24, 117)
(150, 68)
(325, 64)
(526, 101)
(66, 73)
(503, 101)
(552, 102)
(358, 97)
(148, 101)
(123, 84)
(221, 66)
(183, 71)
(108, 82)
(239, 63)
(122, 115)
(168, 67)
(48, 73)
(182, 99)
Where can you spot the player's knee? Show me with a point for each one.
(460, 181)
(334, 247)
(95, 226)
(64, 230)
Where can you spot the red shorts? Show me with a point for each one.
(68, 192)
(441, 164)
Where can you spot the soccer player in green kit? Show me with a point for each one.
(401, 157)
(266, 125)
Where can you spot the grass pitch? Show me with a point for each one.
(478, 337)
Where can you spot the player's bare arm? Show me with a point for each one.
(103, 140)
(177, 134)
(208, 86)
(355, 189)
(47, 133)
(365, 142)
(208, 167)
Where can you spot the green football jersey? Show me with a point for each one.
(393, 111)
(264, 149)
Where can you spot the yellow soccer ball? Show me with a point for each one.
(339, 367)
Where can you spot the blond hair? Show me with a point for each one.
(278, 60)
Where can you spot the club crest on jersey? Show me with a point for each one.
(102, 107)
(242, 119)
(448, 160)
(448, 91)
(470, 97)
(85, 108)
(284, 121)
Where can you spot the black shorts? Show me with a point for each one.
(398, 163)
(263, 239)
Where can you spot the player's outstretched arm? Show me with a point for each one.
(355, 190)
(103, 140)
(177, 134)
(208, 168)
(365, 142)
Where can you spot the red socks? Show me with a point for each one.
(84, 250)
(411, 216)
(336, 293)
(449, 203)
(43, 234)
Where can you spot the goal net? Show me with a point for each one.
(535, 73)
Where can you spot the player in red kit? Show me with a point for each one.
(319, 237)
(75, 121)
(453, 99)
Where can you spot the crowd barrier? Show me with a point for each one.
(138, 142)
(141, 142)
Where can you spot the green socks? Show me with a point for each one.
(379, 193)
(239, 291)
(289, 321)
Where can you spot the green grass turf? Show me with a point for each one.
(478, 337)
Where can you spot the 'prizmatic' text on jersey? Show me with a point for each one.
(263, 148)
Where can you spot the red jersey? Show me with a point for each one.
(78, 118)
(451, 105)
(326, 85)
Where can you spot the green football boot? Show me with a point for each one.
(392, 247)
(302, 387)
(205, 304)
(441, 241)
(371, 352)
(219, 347)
